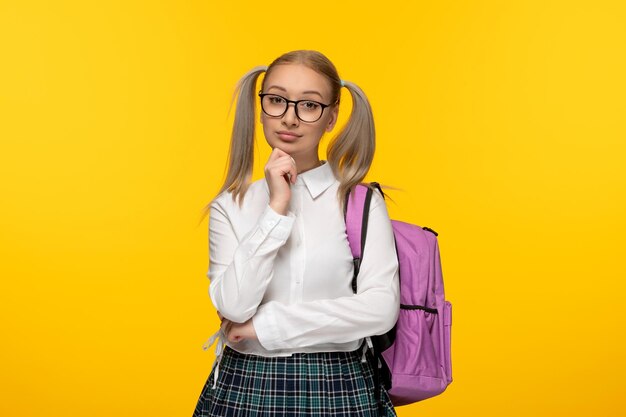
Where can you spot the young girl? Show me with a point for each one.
(293, 336)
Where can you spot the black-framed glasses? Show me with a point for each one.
(308, 111)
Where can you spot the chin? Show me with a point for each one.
(274, 142)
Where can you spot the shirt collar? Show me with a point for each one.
(316, 180)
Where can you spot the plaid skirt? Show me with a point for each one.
(304, 384)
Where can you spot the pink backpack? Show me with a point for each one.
(413, 359)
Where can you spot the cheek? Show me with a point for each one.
(323, 127)
(269, 127)
(267, 133)
(321, 130)
(314, 134)
(267, 124)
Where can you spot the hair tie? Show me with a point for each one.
(343, 84)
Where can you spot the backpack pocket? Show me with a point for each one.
(416, 348)
(415, 358)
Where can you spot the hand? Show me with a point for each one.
(236, 332)
(280, 172)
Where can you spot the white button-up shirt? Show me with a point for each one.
(292, 273)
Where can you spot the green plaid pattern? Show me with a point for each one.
(304, 384)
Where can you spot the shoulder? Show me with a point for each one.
(377, 198)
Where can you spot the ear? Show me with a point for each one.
(333, 118)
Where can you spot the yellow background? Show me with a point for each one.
(502, 122)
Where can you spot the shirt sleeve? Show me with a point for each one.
(240, 271)
(372, 311)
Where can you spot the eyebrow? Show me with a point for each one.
(304, 92)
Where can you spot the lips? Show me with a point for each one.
(285, 135)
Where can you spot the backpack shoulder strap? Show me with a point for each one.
(356, 213)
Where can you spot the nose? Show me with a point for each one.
(290, 116)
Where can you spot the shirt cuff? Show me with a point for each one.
(266, 328)
(275, 224)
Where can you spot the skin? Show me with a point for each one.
(289, 158)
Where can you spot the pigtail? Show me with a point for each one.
(351, 151)
(241, 152)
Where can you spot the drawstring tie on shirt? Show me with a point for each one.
(366, 346)
(377, 365)
(219, 348)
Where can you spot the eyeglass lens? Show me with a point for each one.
(275, 106)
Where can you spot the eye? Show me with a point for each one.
(309, 105)
(276, 99)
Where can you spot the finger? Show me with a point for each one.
(276, 153)
(234, 334)
(285, 159)
(234, 337)
(295, 170)
(284, 166)
(288, 166)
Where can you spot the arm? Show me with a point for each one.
(241, 270)
(374, 310)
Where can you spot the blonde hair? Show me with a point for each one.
(349, 153)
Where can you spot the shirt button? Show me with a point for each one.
(271, 222)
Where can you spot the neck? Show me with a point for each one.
(303, 167)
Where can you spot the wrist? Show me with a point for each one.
(279, 207)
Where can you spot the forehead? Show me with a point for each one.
(295, 80)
